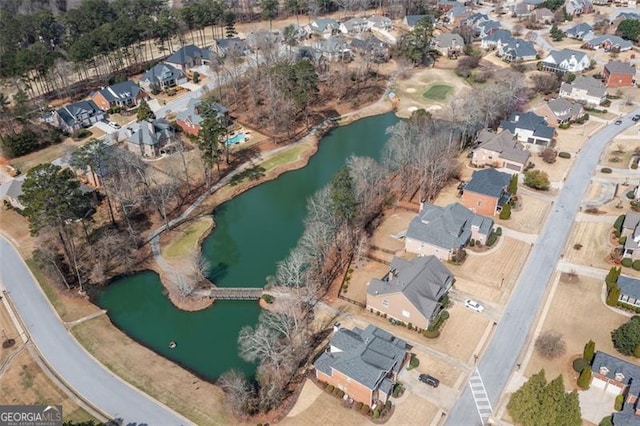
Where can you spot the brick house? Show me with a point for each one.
(126, 94)
(411, 291)
(500, 150)
(619, 74)
(440, 231)
(363, 363)
(189, 119)
(152, 136)
(616, 376)
(486, 192)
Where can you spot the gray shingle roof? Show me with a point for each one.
(152, 132)
(412, 20)
(423, 281)
(122, 91)
(631, 220)
(189, 53)
(629, 286)
(70, 113)
(369, 362)
(326, 24)
(505, 144)
(619, 67)
(579, 30)
(563, 109)
(488, 182)
(448, 227)
(518, 48)
(592, 86)
(193, 114)
(500, 35)
(613, 40)
(615, 365)
(162, 72)
(528, 121)
(449, 40)
(559, 56)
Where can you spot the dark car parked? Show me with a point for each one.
(635, 117)
(430, 380)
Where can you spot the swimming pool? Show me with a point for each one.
(236, 139)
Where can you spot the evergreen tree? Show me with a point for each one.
(505, 213)
(626, 338)
(144, 111)
(230, 24)
(613, 295)
(584, 381)
(269, 10)
(513, 184)
(524, 405)
(589, 351)
(343, 195)
(556, 33)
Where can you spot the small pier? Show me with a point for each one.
(232, 293)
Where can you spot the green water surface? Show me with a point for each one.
(253, 232)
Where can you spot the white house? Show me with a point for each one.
(354, 26)
(566, 60)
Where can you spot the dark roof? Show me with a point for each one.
(423, 281)
(369, 356)
(152, 132)
(519, 48)
(500, 35)
(162, 72)
(629, 287)
(615, 365)
(528, 121)
(232, 43)
(193, 114)
(448, 227)
(187, 54)
(579, 30)
(505, 144)
(120, 91)
(412, 20)
(69, 114)
(619, 67)
(488, 182)
(612, 39)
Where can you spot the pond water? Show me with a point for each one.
(253, 232)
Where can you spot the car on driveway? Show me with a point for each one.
(428, 379)
(635, 117)
(114, 125)
(618, 122)
(473, 305)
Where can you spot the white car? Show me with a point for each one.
(114, 125)
(473, 305)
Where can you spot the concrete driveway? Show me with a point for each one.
(105, 127)
(595, 404)
(442, 396)
(71, 362)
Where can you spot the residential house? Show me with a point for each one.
(496, 39)
(371, 48)
(364, 364)
(323, 27)
(448, 44)
(517, 50)
(234, 45)
(161, 77)
(411, 291)
(543, 15)
(500, 150)
(260, 38)
(354, 26)
(578, 7)
(411, 20)
(151, 138)
(582, 31)
(476, 19)
(189, 119)
(532, 4)
(584, 89)
(126, 94)
(608, 43)
(566, 60)
(631, 230)
(486, 28)
(618, 377)
(619, 74)
(487, 191)
(629, 291)
(561, 111)
(622, 16)
(74, 117)
(456, 15)
(530, 128)
(441, 231)
(445, 5)
(334, 48)
(521, 10)
(380, 23)
(188, 57)
(11, 190)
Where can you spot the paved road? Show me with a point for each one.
(68, 359)
(511, 334)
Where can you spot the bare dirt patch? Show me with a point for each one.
(395, 221)
(198, 400)
(530, 219)
(577, 313)
(360, 278)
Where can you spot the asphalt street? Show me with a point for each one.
(68, 359)
(501, 355)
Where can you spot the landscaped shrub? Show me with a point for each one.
(605, 170)
(580, 364)
(627, 262)
(499, 231)
(472, 243)
(196, 77)
(340, 393)
(634, 165)
(537, 179)
(376, 414)
(329, 388)
(359, 405)
(414, 362)
(636, 265)
(268, 298)
(622, 240)
(584, 381)
(616, 233)
(398, 390)
(564, 155)
(505, 213)
(589, 351)
(513, 184)
(606, 421)
(614, 295)
(365, 409)
(493, 237)
(619, 403)
(429, 334)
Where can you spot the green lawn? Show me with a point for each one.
(438, 92)
(287, 156)
(188, 239)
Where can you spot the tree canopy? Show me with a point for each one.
(144, 111)
(626, 338)
(629, 29)
(540, 403)
(416, 44)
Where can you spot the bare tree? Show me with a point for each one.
(550, 345)
(238, 392)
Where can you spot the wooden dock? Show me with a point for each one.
(232, 293)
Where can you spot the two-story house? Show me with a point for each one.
(74, 117)
(631, 230)
(354, 26)
(440, 231)
(608, 43)
(528, 127)
(619, 74)
(566, 60)
(584, 89)
(517, 50)
(126, 94)
(231, 46)
(448, 44)
(151, 137)
(162, 77)
(496, 39)
(334, 48)
(364, 364)
(189, 56)
(379, 23)
(561, 111)
(323, 27)
(499, 150)
(487, 191)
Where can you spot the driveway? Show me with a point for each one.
(510, 337)
(83, 373)
(105, 127)
(595, 404)
(442, 396)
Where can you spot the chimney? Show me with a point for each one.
(421, 205)
(336, 327)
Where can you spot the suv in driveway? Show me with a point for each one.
(430, 380)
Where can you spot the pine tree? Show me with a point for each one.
(589, 351)
(505, 213)
(524, 404)
(584, 381)
(614, 295)
(513, 184)
(144, 111)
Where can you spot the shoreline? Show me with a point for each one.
(312, 142)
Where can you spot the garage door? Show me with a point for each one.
(515, 167)
(598, 383)
(613, 390)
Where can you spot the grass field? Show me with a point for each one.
(285, 157)
(438, 92)
(187, 239)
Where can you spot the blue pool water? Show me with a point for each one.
(236, 139)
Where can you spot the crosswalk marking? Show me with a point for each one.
(480, 397)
